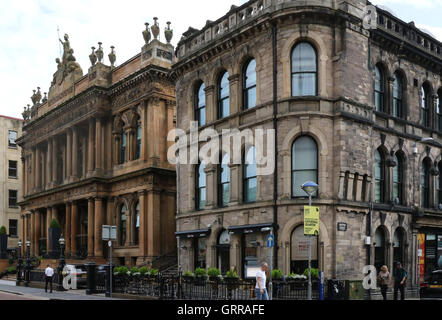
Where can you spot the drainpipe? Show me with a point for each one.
(275, 126)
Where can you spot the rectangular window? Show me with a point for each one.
(12, 198)
(13, 228)
(12, 137)
(12, 169)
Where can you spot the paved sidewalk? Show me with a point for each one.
(40, 294)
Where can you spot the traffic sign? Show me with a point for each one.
(270, 241)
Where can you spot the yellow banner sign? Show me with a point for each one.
(311, 221)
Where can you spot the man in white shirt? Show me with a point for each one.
(49, 273)
(260, 288)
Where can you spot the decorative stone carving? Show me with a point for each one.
(146, 33)
(99, 52)
(93, 57)
(155, 28)
(168, 33)
(67, 65)
(112, 56)
(26, 114)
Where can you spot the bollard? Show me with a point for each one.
(91, 278)
(109, 272)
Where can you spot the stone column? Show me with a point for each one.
(211, 107)
(23, 232)
(67, 228)
(153, 222)
(37, 168)
(98, 144)
(143, 115)
(110, 211)
(389, 93)
(74, 228)
(234, 91)
(90, 227)
(91, 149)
(74, 153)
(32, 234)
(68, 154)
(211, 189)
(143, 227)
(54, 160)
(23, 174)
(48, 223)
(99, 214)
(49, 163)
(235, 183)
(37, 229)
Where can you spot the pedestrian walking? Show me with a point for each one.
(261, 278)
(384, 281)
(49, 274)
(400, 277)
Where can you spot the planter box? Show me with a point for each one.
(54, 245)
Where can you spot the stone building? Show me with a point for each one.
(10, 187)
(351, 101)
(94, 153)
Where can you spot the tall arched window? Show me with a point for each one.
(123, 147)
(379, 89)
(398, 178)
(138, 142)
(250, 181)
(304, 70)
(425, 183)
(304, 164)
(379, 248)
(123, 224)
(439, 110)
(200, 191)
(299, 253)
(224, 181)
(200, 104)
(425, 105)
(398, 91)
(398, 246)
(249, 85)
(379, 187)
(223, 95)
(137, 224)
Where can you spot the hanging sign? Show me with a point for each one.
(311, 221)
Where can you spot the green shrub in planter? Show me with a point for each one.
(3, 230)
(123, 270)
(277, 274)
(153, 272)
(188, 274)
(213, 272)
(200, 272)
(11, 270)
(315, 273)
(134, 270)
(143, 271)
(55, 224)
(231, 274)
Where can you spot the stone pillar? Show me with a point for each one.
(143, 227)
(143, 115)
(37, 168)
(91, 149)
(54, 160)
(153, 222)
(90, 227)
(74, 228)
(32, 234)
(37, 229)
(234, 91)
(67, 228)
(23, 174)
(49, 163)
(98, 144)
(235, 183)
(99, 215)
(74, 173)
(211, 107)
(23, 232)
(211, 189)
(68, 154)
(117, 147)
(48, 223)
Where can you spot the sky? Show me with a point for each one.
(29, 37)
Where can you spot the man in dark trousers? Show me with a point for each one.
(400, 276)
(49, 273)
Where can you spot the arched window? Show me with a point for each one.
(398, 178)
(249, 85)
(123, 224)
(425, 105)
(223, 96)
(304, 164)
(123, 147)
(299, 252)
(398, 246)
(223, 251)
(439, 185)
(138, 142)
(379, 89)
(379, 187)
(439, 110)
(379, 248)
(425, 183)
(200, 105)
(137, 224)
(200, 191)
(398, 91)
(304, 70)
(224, 181)
(250, 175)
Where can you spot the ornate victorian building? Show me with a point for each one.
(95, 153)
(351, 102)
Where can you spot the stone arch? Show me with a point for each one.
(243, 59)
(191, 92)
(316, 40)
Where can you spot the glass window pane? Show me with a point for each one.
(304, 58)
(202, 198)
(251, 98)
(251, 74)
(299, 178)
(250, 189)
(304, 84)
(224, 86)
(201, 175)
(225, 194)
(201, 96)
(304, 154)
(225, 108)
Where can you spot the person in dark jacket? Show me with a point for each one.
(400, 277)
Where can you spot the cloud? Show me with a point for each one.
(412, 3)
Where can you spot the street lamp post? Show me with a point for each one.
(310, 188)
(270, 263)
(20, 263)
(61, 265)
(28, 263)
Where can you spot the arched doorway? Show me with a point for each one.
(398, 246)
(299, 251)
(223, 252)
(379, 249)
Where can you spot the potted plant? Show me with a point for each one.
(143, 271)
(314, 275)
(3, 243)
(54, 237)
(214, 274)
(200, 276)
(188, 276)
(232, 279)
